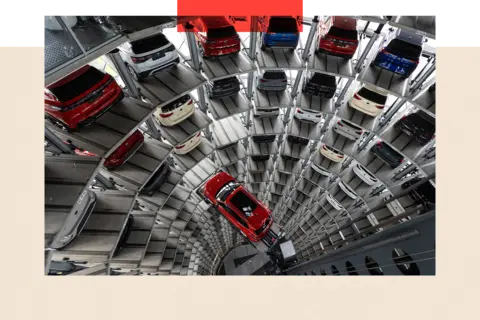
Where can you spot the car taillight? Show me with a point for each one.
(284, 80)
(356, 96)
(403, 117)
(340, 156)
(340, 123)
(325, 148)
(379, 143)
(139, 59)
(263, 80)
(166, 115)
(379, 106)
(359, 132)
(401, 161)
(198, 134)
(299, 110)
(190, 102)
(180, 147)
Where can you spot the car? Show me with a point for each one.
(175, 112)
(338, 36)
(80, 98)
(216, 36)
(260, 158)
(261, 112)
(264, 138)
(279, 32)
(147, 56)
(298, 140)
(348, 129)
(369, 100)
(423, 194)
(76, 220)
(400, 53)
(123, 236)
(418, 125)
(189, 145)
(272, 81)
(333, 202)
(223, 88)
(320, 170)
(308, 115)
(157, 180)
(364, 175)
(63, 268)
(387, 154)
(126, 150)
(347, 189)
(238, 206)
(321, 85)
(331, 153)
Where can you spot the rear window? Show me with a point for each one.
(149, 44)
(391, 150)
(323, 79)
(422, 120)
(372, 96)
(283, 25)
(79, 85)
(427, 190)
(224, 32)
(343, 33)
(274, 75)
(243, 202)
(404, 49)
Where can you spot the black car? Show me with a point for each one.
(321, 85)
(418, 125)
(124, 236)
(260, 158)
(223, 87)
(387, 154)
(264, 138)
(157, 180)
(63, 268)
(299, 140)
(424, 194)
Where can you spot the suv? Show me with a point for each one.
(238, 206)
(400, 53)
(149, 55)
(279, 32)
(322, 85)
(223, 87)
(424, 194)
(216, 36)
(419, 125)
(272, 81)
(369, 100)
(338, 36)
(81, 97)
(387, 154)
(76, 220)
(298, 140)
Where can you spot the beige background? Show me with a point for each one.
(27, 294)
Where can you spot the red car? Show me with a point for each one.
(241, 208)
(81, 97)
(125, 150)
(216, 36)
(338, 36)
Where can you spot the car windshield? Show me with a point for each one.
(149, 44)
(428, 191)
(226, 190)
(343, 33)
(404, 49)
(244, 203)
(284, 25)
(224, 32)
(78, 85)
(372, 96)
(274, 75)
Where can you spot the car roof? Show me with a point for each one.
(346, 23)
(409, 37)
(215, 21)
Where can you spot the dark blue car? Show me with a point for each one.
(280, 32)
(401, 54)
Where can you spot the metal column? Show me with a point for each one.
(194, 56)
(252, 55)
(421, 78)
(369, 46)
(57, 142)
(311, 35)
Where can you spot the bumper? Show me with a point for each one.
(265, 113)
(101, 111)
(271, 42)
(168, 122)
(157, 69)
(271, 88)
(215, 52)
(186, 149)
(337, 51)
(224, 93)
(329, 156)
(347, 134)
(368, 111)
(307, 118)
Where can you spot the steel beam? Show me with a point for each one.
(57, 142)
(369, 46)
(123, 72)
(311, 35)
(195, 58)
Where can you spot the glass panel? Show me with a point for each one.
(92, 31)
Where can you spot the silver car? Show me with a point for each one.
(364, 175)
(348, 129)
(265, 112)
(272, 81)
(76, 220)
(347, 189)
(333, 202)
(320, 170)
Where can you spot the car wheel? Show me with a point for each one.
(134, 73)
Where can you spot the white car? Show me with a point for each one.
(369, 100)
(320, 170)
(348, 129)
(308, 115)
(265, 112)
(332, 153)
(189, 145)
(146, 56)
(347, 189)
(364, 175)
(175, 112)
(333, 202)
